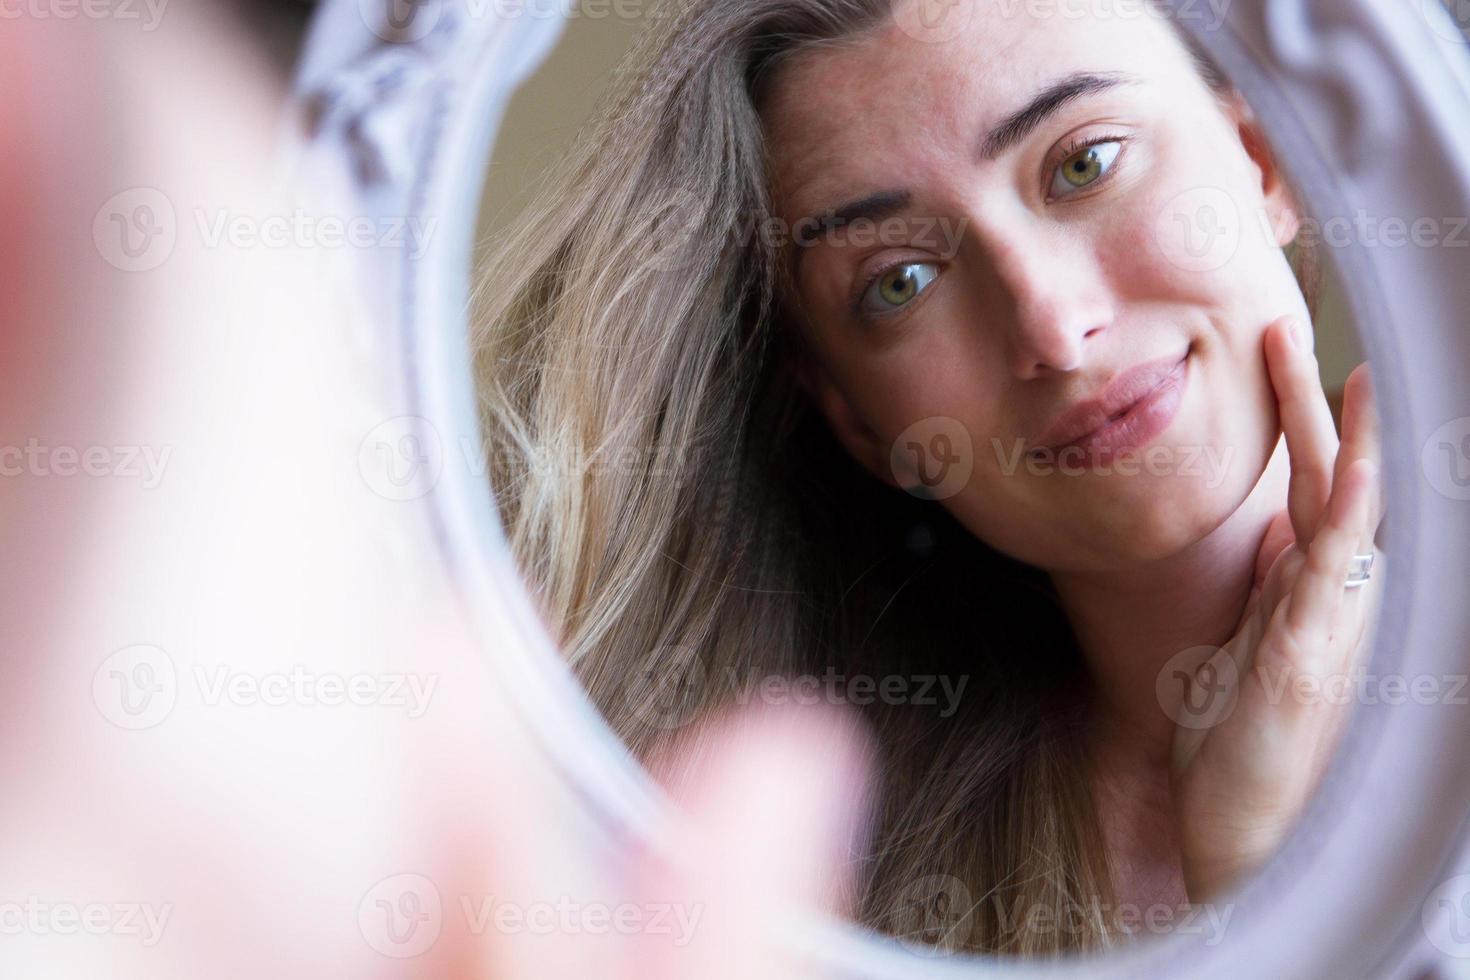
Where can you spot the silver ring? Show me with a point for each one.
(1360, 571)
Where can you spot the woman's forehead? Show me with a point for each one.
(891, 91)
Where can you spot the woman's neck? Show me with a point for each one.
(1129, 624)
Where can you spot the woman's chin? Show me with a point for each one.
(1146, 517)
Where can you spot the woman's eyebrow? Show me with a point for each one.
(874, 207)
(1050, 100)
(1011, 130)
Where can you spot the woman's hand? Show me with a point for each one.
(1241, 782)
(769, 804)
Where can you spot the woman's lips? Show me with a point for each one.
(1142, 419)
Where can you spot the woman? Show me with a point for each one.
(884, 342)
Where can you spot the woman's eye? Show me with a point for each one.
(897, 287)
(1085, 167)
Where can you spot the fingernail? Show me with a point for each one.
(1294, 332)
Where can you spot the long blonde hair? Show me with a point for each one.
(689, 526)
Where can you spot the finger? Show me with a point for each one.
(776, 802)
(1361, 437)
(1306, 420)
(1277, 539)
(1318, 591)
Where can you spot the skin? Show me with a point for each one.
(772, 799)
(1053, 290)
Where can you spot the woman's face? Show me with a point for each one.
(996, 277)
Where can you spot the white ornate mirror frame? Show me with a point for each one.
(1368, 101)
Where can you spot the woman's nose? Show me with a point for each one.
(1051, 302)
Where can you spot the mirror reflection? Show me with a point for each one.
(971, 367)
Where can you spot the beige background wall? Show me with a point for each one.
(544, 116)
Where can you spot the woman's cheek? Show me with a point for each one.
(1172, 240)
(936, 417)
